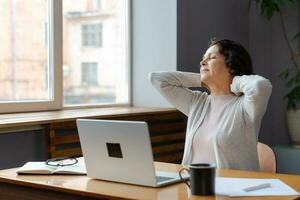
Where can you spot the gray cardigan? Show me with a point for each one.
(235, 141)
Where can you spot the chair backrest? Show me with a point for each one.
(266, 157)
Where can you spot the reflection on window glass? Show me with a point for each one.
(94, 70)
(24, 70)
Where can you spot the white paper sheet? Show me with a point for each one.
(234, 187)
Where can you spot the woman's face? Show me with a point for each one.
(213, 69)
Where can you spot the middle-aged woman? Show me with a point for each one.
(222, 126)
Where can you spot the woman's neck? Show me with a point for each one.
(220, 90)
(221, 87)
(220, 93)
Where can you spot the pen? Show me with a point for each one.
(257, 187)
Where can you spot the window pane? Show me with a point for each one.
(95, 70)
(89, 73)
(91, 35)
(24, 71)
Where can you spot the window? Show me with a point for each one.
(89, 73)
(98, 4)
(100, 36)
(27, 71)
(44, 49)
(91, 35)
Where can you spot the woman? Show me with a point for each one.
(222, 126)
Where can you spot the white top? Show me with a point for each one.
(235, 139)
(202, 147)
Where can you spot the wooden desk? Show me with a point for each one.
(44, 187)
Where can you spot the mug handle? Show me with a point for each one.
(183, 180)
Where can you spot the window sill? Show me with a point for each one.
(41, 118)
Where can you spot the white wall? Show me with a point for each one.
(154, 47)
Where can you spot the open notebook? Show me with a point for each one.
(42, 168)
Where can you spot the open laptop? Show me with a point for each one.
(120, 151)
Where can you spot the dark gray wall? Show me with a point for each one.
(18, 148)
(198, 21)
(270, 55)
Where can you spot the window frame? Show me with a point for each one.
(55, 62)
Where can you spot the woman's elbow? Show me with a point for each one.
(157, 79)
(153, 77)
(264, 86)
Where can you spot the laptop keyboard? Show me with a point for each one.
(162, 178)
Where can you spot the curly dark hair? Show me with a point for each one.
(236, 56)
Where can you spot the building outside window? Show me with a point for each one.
(24, 52)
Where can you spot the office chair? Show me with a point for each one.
(266, 157)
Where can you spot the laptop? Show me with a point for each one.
(121, 151)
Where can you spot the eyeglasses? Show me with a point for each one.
(61, 161)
